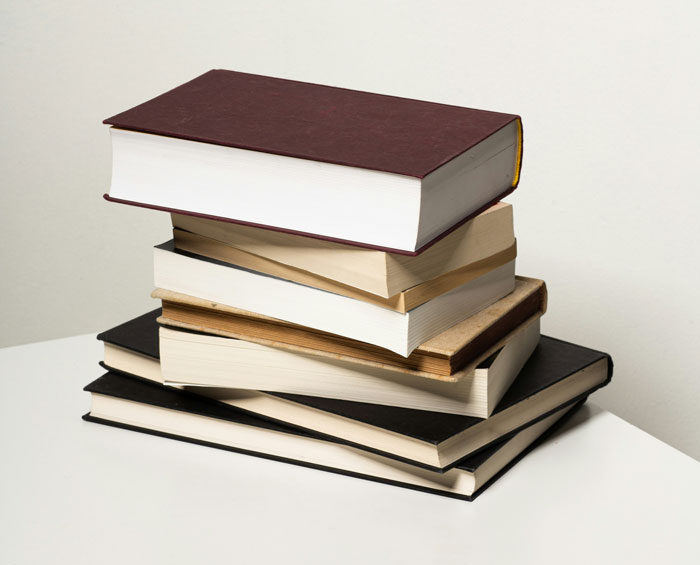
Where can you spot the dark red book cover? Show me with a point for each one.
(320, 123)
(311, 121)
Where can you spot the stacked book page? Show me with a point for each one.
(339, 288)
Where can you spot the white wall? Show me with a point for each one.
(606, 211)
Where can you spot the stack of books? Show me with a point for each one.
(339, 291)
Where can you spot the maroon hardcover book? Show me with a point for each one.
(315, 122)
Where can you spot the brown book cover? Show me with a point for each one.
(321, 123)
(447, 357)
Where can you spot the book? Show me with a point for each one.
(354, 167)
(233, 363)
(556, 375)
(453, 354)
(403, 301)
(137, 405)
(376, 272)
(401, 333)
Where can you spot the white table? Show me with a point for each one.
(600, 491)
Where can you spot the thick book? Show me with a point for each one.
(379, 273)
(450, 356)
(349, 166)
(231, 363)
(556, 375)
(252, 291)
(137, 405)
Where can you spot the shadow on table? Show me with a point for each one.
(582, 415)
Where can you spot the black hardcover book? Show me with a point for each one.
(139, 335)
(139, 405)
(557, 375)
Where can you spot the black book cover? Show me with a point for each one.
(552, 361)
(146, 392)
(139, 335)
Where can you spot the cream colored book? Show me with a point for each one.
(402, 302)
(326, 311)
(444, 357)
(212, 361)
(207, 361)
(376, 272)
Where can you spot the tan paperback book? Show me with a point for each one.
(376, 272)
(402, 302)
(448, 356)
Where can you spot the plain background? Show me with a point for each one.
(606, 211)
